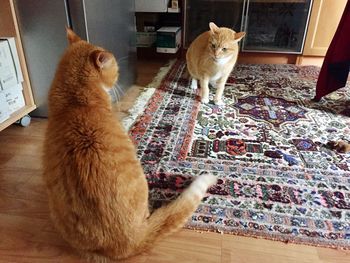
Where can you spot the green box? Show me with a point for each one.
(168, 39)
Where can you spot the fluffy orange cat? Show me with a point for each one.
(211, 58)
(97, 191)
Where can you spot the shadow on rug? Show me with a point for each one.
(267, 146)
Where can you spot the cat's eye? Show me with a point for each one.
(224, 49)
(213, 45)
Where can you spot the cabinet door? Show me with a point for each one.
(224, 13)
(41, 23)
(325, 17)
(276, 25)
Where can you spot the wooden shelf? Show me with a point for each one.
(9, 28)
(16, 116)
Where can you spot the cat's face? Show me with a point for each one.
(223, 42)
(92, 62)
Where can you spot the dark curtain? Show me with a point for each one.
(335, 68)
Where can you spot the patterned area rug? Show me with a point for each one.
(267, 146)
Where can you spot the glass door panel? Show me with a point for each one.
(199, 13)
(276, 25)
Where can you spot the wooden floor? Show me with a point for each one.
(27, 235)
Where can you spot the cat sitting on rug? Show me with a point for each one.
(97, 191)
(211, 58)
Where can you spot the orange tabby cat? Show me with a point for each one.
(97, 191)
(211, 58)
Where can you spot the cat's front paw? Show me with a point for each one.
(219, 103)
(205, 100)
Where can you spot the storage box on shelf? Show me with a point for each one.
(168, 39)
(151, 16)
(16, 98)
(174, 8)
(146, 39)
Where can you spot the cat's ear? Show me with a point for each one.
(239, 36)
(102, 59)
(71, 36)
(213, 28)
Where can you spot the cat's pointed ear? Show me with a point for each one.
(102, 59)
(213, 28)
(71, 36)
(239, 36)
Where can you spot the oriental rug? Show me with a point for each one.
(277, 179)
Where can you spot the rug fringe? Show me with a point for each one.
(161, 74)
(137, 108)
(147, 92)
(271, 237)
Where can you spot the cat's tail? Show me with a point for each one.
(173, 216)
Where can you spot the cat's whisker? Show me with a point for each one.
(118, 91)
